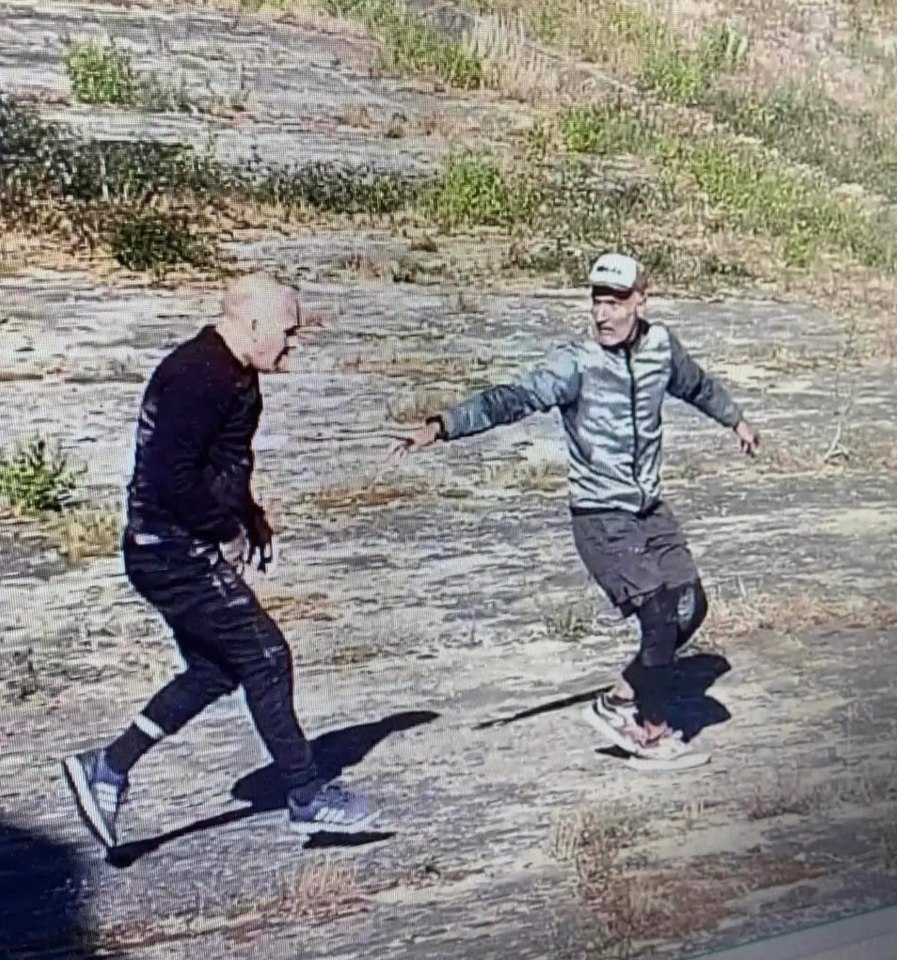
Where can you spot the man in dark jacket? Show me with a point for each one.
(609, 389)
(192, 525)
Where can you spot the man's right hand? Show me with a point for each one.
(237, 552)
(424, 436)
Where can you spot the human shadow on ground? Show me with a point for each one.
(334, 752)
(691, 712)
(43, 911)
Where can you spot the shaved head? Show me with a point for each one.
(260, 316)
(256, 295)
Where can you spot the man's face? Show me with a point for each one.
(615, 315)
(273, 330)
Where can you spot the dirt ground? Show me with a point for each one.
(445, 632)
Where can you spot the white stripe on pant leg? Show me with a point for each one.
(145, 725)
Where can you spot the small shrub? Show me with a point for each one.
(605, 129)
(475, 191)
(101, 73)
(411, 47)
(37, 478)
(684, 76)
(154, 240)
(337, 188)
(674, 75)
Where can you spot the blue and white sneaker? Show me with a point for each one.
(98, 792)
(333, 809)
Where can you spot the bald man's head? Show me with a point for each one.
(250, 296)
(260, 314)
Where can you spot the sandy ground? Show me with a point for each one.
(437, 673)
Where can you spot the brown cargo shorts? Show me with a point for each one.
(633, 555)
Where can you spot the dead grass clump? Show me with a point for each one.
(422, 404)
(596, 844)
(292, 607)
(509, 62)
(639, 906)
(87, 533)
(314, 895)
(360, 496)
(410, 367)
(787, 795)
(571, 622)
(545, 477)
(731, 618)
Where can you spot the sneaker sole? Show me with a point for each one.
(322, 826)
(84, 801)
(618, 739)
(686, 762)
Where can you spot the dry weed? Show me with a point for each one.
(732, 618)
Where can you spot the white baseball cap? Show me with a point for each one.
(616, 271)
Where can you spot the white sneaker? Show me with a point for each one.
(614, 721)
(667, 753)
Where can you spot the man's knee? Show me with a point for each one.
(691, 610)
(266, 660)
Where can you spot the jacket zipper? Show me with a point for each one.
(634, 415)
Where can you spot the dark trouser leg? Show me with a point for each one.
(651, 672)
(260, 658)
(221, 626)
(185, 697)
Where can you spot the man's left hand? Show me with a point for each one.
(261, 539)
(748, 437)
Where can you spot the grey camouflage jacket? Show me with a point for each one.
(610, 401)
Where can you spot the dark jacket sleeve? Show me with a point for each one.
(690, 383)
(190, 411)
(553, 384)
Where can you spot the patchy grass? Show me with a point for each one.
(36, 477)
(103, 73)
(475, 190)
(87, 532)
(547, 477)
(293, 607)
(398, 367)
(312, 895)
(358, 495)
(410, 47)
(597, 844)
(509, 65)
(748, 190)
(786, 793)
(788, 796)
(421, 404)
(156, 240)
(737, 617)
(571, 622)
(807, 126)
(153, 205)
(638, 905)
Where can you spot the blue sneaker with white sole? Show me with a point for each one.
(333, 809)
(99, 793)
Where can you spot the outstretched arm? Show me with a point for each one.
(552, 384)
(690, 383)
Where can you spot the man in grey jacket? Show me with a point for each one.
(609, 389)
